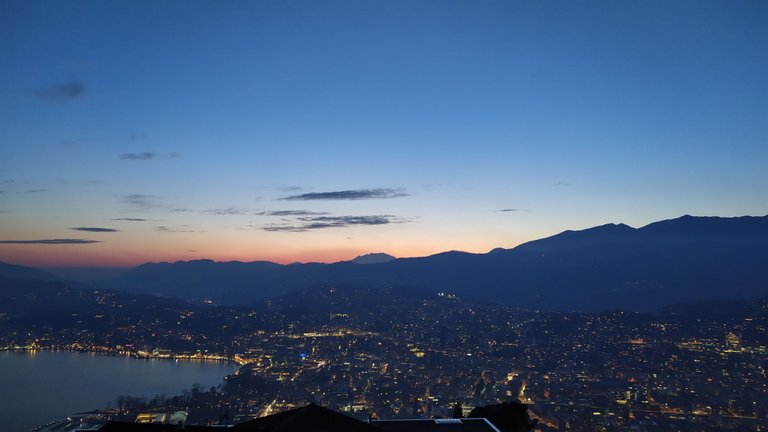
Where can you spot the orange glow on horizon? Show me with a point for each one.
(82, 256)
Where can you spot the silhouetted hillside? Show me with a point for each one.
(19, 297)
(11, 271)
(606, 267)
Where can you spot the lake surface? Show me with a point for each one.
(36, 388)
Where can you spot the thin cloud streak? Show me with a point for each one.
(50, 241)
(137, 156)
(290, 213)
(131, 219)
(163, 228)
(60, 92)
(304, 224)
(140, 202)
(230, 211)
(94, 229)
(356, 194)
(145, 156)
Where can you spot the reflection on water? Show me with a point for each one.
(40, 386)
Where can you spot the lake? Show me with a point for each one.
(38, 387)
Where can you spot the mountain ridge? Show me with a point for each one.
(603, 267)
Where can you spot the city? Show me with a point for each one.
(402, 353)
(228, 214)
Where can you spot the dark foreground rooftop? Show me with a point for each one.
(314, 418)
(436, 425)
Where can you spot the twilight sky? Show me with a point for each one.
(135, 131)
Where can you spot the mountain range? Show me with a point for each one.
(611, 266)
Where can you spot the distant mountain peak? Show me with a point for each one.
(607, 266)
(373, 258)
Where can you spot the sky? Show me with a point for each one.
(136, 131)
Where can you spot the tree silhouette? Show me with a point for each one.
(458, 412)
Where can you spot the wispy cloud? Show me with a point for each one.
(94, 229)
(131, 219)
(144, 156)
(284, 228)
(73, 142)
(563, 183)
(512, 210)
(184, 229)
(64, 92)
(230, 211)
(140, 202)
(321, 222)
(50, 241)
(137, 136)
(31, 191)
(290, 213)
(356, 194)
(137, 156)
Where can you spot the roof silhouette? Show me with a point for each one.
(311, 418)
(120, 426)
(437, 425)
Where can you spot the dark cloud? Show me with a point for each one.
(50, 241)
(137, 156)
(60, 92)
(131, 219)
(513, 210)
(290, 213)
(94, 229)
(312, 223)
(289, 189)
(30, 191)
(358, 194)
(230, 211)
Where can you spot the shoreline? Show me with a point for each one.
(138, 355)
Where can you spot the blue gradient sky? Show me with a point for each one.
(573, 113)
